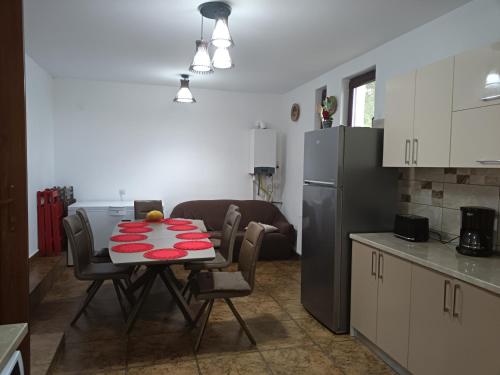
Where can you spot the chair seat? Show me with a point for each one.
(104, 252)
(210, 285)
(105, 271)
(218, 262)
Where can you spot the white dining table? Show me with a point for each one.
(161, 238)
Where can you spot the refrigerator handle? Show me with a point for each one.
(320, 183)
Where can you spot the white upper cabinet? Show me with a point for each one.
(476, 72)
(432, 120)
(398, 123)
(475, 138)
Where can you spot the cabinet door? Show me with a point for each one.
(471, 70)
(432, 122)
(398, 122)
(393, 313)
(476, 328)
(430, 323)
(475, 135)
(364, 286)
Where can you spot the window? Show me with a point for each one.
(362, 100)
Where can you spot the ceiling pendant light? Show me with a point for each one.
(201, 61)
(218, 11)
(184, 94)
(222, 59)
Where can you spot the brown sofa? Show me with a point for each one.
(276, 245)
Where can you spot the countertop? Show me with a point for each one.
(11, 336)
(481, 272)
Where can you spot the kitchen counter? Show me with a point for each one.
(11, 336)
(481, 272)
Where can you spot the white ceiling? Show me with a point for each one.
(280, 44)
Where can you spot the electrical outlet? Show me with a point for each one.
(122, 192)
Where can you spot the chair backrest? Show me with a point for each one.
(229, 230)
(249, 252)
(79, 241)
(141, 208)
(82, 214)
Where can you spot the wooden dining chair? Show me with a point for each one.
(209, 286)
(84, 269)
(224, 255)
(141, 208)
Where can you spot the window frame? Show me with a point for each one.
(357, 81)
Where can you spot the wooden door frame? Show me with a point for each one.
(14, 266)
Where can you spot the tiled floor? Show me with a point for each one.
(289, 341)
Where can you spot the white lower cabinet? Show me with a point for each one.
(428, 322)
(380, 302)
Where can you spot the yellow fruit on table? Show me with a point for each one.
(154, 215)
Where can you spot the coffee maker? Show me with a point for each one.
(476, 232)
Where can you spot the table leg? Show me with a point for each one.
(148, 284)
(141, 280)
(166, 276)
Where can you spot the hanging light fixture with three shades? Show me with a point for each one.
(221, 40)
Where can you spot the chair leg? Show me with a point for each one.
(188, 283)
(204, 325)
(130, 297)
(120, 299)
(241, 321)
(93, 290)
(200, 312)
(90, 286)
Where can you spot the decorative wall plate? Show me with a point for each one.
(295, 112)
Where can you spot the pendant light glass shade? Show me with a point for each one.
(221, 38)
(184, 94)
(222, 59)
(201, 61)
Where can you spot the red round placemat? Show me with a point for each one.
(193, 245)
(133, 224)
(135, 247)
(177, 221)
(182, 227)
(128, 237)
(165, 254)
(192, 236)
(136, 230)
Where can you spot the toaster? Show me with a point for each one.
(411, 227)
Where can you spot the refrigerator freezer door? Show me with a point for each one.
(322, 154)
(320, 236)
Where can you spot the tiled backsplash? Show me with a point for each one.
(438, 193)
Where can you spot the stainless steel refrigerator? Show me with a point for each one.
(346, 190)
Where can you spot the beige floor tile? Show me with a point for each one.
(246, 363)
(160, 349)
(320, 334)
(179, 368)
(278, 334)
(295, 309)
(297, 361)
(353, 358)
(262, 310)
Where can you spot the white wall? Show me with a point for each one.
(474, 24)
(40, 140)
(117, 135)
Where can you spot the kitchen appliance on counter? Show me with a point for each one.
(346, 190)
(476, 232)
(411, 227)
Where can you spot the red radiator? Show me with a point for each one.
(50, 213)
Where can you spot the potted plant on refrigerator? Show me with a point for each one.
(328, 109)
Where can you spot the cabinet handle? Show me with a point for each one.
(447, 284)
(380, 266)
(488, 161)
(492, 97)
(415, 151)
(374, 260)
(456, 288)
(407, 151)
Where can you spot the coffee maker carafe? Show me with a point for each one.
(476, 232)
